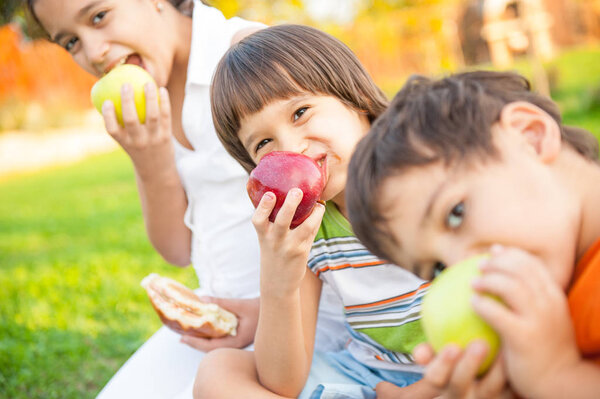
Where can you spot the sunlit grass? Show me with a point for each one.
(72, 252)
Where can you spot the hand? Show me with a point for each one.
(247, 312)
(149, 145)
(284, 251)
(538, 342)
(418, 390)
(454, 372)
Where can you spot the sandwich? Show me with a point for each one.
(180, 309)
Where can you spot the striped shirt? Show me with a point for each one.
(381, 301)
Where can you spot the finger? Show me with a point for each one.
(440, 369)
(423, 354)
(260, 219)
(496, 314)
(152, 110)
(312, 223)
(288, 209)
(165, 111)
(209, 344)
(130, 116)
(507, 288)
(110, 121)
(494, 382)
(465, 372)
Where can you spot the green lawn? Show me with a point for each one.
(72, 253)
(73, 250)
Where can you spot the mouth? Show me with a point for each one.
(322, 163)
(132, 59)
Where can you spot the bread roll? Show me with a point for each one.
(181, 310)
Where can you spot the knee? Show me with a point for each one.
(217, 366)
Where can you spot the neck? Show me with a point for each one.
(340, 201)
(183, 37)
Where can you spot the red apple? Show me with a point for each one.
(279, 172)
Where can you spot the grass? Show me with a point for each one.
(73, 250)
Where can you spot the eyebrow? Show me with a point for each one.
(83, 12)
(432, 200)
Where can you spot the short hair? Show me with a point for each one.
(447, 120)
(277, 63)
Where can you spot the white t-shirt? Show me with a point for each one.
(225, 252)
(224, 244)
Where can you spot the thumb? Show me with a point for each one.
(207, 299)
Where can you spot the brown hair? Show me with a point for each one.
(279, 62)
(447, 120)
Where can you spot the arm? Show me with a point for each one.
(150, 148)
(289, 296)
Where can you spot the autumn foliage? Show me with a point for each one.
(40, 73)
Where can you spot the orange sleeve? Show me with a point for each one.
(584, 303)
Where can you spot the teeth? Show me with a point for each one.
(122, 61)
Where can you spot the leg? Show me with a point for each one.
(161, 368)
(221, 366)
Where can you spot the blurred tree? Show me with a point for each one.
(8, 8)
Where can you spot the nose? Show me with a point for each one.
(294, 143)
(455, 252)
(95, 49)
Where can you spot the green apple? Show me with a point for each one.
(109, 88)
(447, 314)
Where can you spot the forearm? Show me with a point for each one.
(282, 356)
(581, 381)
(164, 203)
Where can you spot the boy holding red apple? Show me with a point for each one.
(474, 163)
(293, 88)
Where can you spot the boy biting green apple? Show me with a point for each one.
(477, 162)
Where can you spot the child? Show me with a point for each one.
(295, 88)
(473, 163)
(192, 192)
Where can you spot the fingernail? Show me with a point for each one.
(126, 89)
(269, 196)
(295, 192)
(496, 249)
(107, 105)
(149, 88)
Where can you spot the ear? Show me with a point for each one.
(535, 125)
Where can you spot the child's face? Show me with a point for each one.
(101, 34)
(438, 213)
(318, 126)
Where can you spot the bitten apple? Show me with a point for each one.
(109, 88)
(447, 314)
(279, 172)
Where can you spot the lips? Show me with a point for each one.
(133, 59)
(322, 163)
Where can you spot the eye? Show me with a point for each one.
(455, 217)
(69, 45)
(438, 267)
(96, 19)
(261, 144)
(299, 112)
